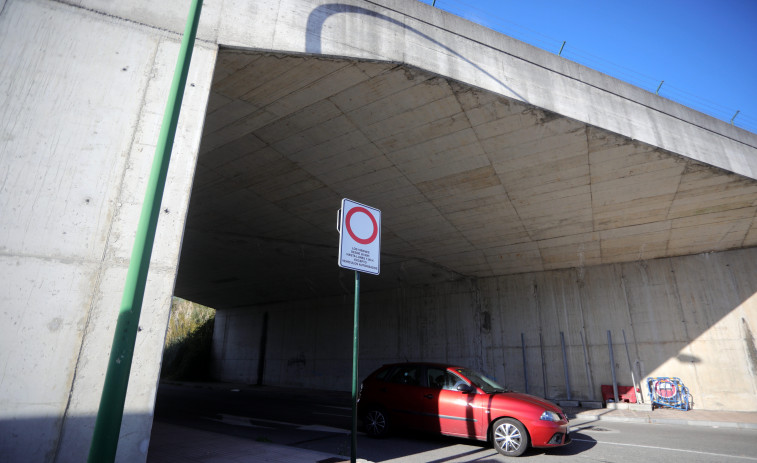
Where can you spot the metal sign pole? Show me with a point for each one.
(612, 367)
(355, 344)
(359, 228)
(525, 368)
(630, 367)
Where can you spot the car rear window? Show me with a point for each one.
(401, 374)
(381, 375)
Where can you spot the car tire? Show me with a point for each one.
(376, 423)
(509, 437)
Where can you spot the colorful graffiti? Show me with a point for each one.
(669, 392)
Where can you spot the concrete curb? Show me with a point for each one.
(651, 420)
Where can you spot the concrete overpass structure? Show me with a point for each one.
(526, 199)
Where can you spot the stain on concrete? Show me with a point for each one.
(751, 348)
(55, 324)
(486, 321)
(545, 117)
(686, 358)
(299, 360)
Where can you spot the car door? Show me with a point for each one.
(404, 395)
(448, 410)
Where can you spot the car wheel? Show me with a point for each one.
(376, 423)
(510, 437)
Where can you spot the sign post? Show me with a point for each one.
(359, 229)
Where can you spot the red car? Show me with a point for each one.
(461, 402)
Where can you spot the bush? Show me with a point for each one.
(187, 350)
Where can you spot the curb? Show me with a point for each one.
(650, 420)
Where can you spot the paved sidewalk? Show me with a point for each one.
(170, 443)
(174, 444)
(724, 419)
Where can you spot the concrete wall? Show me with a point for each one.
(82, 96)
(691, 317)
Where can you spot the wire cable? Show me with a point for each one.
(486, 19)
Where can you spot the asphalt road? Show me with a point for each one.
(321, 421)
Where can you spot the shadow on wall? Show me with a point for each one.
(44, 439)
(319, 15)
(689, 317)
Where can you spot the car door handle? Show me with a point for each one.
(429, 396)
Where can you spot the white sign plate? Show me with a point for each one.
(359, 237)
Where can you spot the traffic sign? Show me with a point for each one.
(359, 237)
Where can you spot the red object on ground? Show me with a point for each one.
(625, 393)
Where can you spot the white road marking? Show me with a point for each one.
(334, 406)
(316, 427)
(332, 414)
(246, 422)
(285, 423)
(237, 421)
(667, 448)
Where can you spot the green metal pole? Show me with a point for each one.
(355, 344)
(110, 414)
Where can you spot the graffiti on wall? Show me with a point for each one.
(669, 392)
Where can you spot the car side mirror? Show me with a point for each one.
(465, 388)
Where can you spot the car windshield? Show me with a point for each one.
(486, 384)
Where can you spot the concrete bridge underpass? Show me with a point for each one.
(526, 201)
(505, 227)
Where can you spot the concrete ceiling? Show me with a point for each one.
(470, 184)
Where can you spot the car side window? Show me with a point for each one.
(452, 381)
(439, 378)
(405, 375)
(435, 377)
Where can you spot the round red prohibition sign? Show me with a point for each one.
(365, 211)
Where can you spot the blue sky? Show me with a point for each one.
(704, 51)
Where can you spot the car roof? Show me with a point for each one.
(427, 364)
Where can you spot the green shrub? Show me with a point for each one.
(186, 353)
